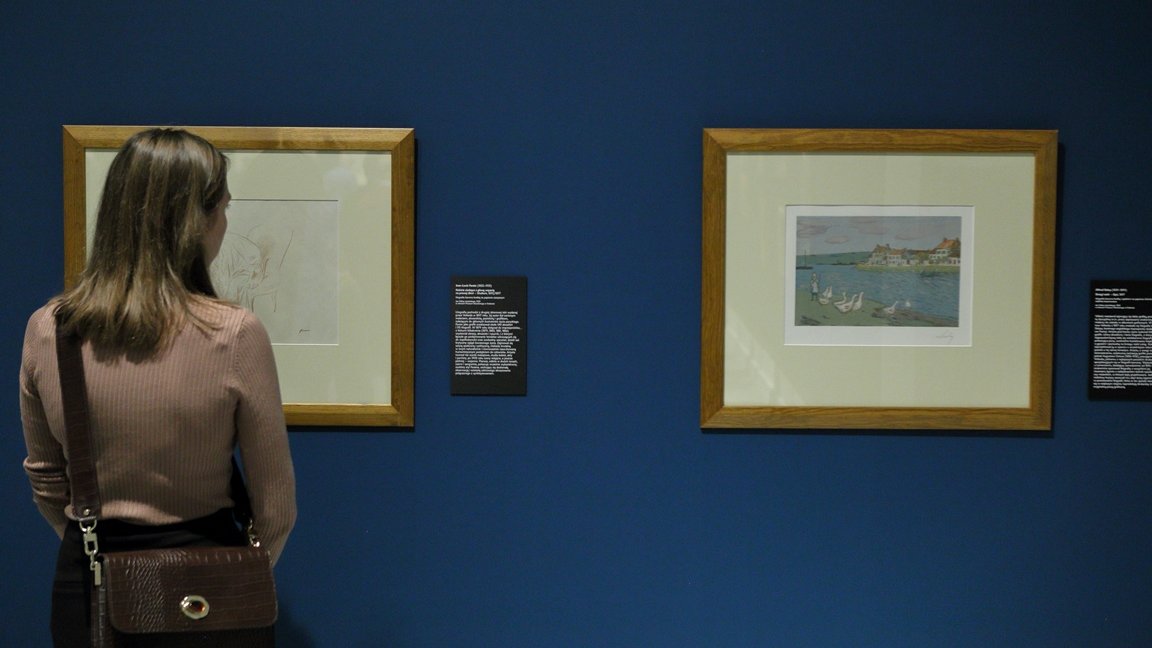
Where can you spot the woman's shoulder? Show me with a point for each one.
(225, 317)
(40, 335)
(217, 311)
(43, 319)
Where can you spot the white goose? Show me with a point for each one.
(847, 305)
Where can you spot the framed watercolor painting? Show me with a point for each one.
(877, 279)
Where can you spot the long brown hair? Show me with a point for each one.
(147, 261)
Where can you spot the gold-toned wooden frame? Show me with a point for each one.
(719, 144)
(399, 142)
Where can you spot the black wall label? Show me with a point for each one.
(1121, 360)
(490, 336)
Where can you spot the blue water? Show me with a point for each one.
(935, 295)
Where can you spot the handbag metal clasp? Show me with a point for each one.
(253, 539)
(92, 550)
(194, 607)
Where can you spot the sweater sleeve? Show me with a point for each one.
(262, 436)
(45, 464)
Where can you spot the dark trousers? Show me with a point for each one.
(73, 583)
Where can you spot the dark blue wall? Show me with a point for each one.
(561, 141)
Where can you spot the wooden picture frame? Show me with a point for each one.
(362, 181)
(1001, 379)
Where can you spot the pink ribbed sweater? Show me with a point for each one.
(163, 428)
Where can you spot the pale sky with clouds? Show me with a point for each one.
(834, 234)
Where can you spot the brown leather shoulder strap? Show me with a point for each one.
(74, 395)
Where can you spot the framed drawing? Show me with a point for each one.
(878, 279)
(320, 245)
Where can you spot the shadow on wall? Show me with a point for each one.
(289, 634)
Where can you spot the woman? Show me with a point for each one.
(176, 377)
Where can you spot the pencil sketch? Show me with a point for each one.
(280, 260)
(252, 266)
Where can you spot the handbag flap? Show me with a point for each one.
(190, 589)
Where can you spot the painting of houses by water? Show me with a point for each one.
(944, 257)
(879, 275)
